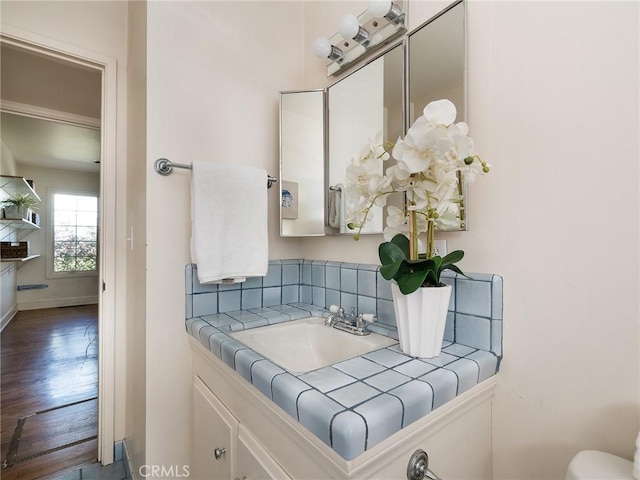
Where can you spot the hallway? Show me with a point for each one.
(49, 382)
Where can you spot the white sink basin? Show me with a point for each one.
(307, 344)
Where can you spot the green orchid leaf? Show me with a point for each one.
(453, 257)
(389, 270)
(421, 265)
(437, 261)
(455, 269)
(403, 242)
(433, 278)
(390, 253)
(409, 283)
(420, 262)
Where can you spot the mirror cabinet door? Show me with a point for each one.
(302, 164)
(436, 69)
(365, 109)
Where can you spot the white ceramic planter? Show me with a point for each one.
(421, 318)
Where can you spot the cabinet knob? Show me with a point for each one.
(219, 452)
(418, 467)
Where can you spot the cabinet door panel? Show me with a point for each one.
(254, 463)
(471, 457)
(213, 428)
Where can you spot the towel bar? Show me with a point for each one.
(165, 167)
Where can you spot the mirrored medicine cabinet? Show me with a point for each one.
(321, 130)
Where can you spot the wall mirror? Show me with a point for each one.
(302, 165)
(365, 108)
(369, 104)
(436, 69)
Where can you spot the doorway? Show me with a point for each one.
(105, 284)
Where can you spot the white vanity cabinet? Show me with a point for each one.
(264, 442)
(224, 449)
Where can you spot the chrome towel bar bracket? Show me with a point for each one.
(164, 166)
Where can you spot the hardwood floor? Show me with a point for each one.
(48, 401)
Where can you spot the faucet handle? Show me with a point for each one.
(334, 308)
(364, 319)
(369, 317)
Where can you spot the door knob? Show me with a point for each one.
(219, 452)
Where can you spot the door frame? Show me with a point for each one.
(108, 207)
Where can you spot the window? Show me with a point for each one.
(75, 233)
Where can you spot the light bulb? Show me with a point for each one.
(349, 26)
(321, 47)
(379, 8)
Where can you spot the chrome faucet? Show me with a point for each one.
(354, 324)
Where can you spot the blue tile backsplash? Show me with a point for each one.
(355, 404)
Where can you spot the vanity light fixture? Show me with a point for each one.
(373, 28)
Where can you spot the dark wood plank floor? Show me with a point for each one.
(49, 382)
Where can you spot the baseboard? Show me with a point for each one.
(4, 321)
(58, 302)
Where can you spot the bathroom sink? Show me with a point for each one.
(307, 344)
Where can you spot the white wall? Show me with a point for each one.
(7, 162)
(60, 291)
(546, 98)
(8, 277)
(215, 70)
(8, 296)
(553, 105)
(135, 416)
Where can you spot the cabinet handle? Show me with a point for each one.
(219, 452)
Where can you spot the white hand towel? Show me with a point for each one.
(229, 239)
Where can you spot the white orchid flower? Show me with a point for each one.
(429, 161)
(441, 112)
(450, 218)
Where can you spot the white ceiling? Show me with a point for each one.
(42, 89)
(43, 143)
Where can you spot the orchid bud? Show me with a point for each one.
(468, 160)
(351, 226)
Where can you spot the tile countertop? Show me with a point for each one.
(355, 404)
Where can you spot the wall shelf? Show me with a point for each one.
(19, 260)
(15, 229)
(19, 223)
(12, 185)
